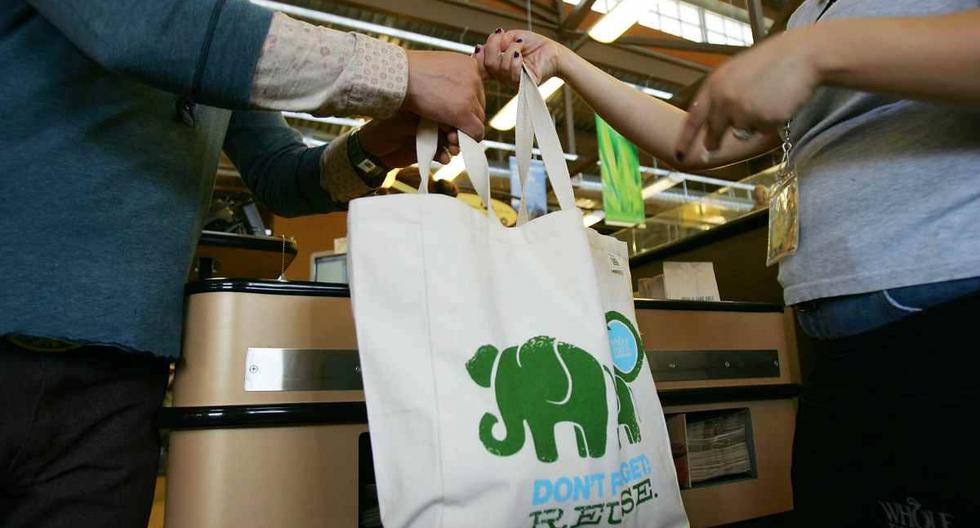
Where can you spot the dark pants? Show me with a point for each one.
(78, 443)
(886, 428)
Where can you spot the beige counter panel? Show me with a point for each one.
(305, 476)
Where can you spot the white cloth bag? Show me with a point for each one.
(492, 395)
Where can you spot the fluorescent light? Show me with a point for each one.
(403, 187)
(593, 218)
(390, 178)
(497, 145)
(342, 121)
(656, 93)
(650, 91)
(697, 178)
(451, 170)
(659, 186)
(361, 25)
(506, 118)
(611, 26)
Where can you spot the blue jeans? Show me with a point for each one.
(839, 317)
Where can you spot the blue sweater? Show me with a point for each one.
(102, 186)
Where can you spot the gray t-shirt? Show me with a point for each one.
(889, 188)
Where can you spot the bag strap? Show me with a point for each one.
(534, 121)
(474, 159)
(524, 142)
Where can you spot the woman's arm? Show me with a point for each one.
(647, 121)
(651, 123)
(933, 58)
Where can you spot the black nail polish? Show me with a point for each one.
(679, 155)
(498, 30)
(477, 49)
(517, 54)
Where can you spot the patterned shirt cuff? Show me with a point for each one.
(378, 78)
(307, 68)
(337, 175)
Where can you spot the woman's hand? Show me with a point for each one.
(505, 51)
(756, 91)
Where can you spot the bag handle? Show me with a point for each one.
(534, 121)
(474, 159)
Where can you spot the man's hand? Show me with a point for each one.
(446, 87)
(393, 140)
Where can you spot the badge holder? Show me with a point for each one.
(784, 209)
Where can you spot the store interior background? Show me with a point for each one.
(709, 216)
(667, 65)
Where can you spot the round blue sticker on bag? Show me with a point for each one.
(623, 345)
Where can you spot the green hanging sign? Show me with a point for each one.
(622, 187)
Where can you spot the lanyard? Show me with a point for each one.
(830, 3)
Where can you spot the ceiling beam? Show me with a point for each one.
(559, 8)
(680, 44)
(572, 22)
(481, 20)
(536, 10)
(757, 20)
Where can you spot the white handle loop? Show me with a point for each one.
(474, 159)
(534, 121)
(426, 144)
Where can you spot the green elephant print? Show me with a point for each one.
(627, 354)
(542, 383)
(627, 409)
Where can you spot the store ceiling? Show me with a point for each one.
(470, 21)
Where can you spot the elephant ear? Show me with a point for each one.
(480, 366)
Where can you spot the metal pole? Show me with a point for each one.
(757, 19)
(569, 120)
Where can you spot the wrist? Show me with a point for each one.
(569, 65)
(408, 103)
(815, 47)
(368, 166)
(564, 58)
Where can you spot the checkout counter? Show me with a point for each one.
(269, 428)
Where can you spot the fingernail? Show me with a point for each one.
(679, 155)
(477, 49)
(498, 30)
(517, 54)
(520, 40)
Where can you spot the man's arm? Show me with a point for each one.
(293, 179)
(162, 43)
(319, 70)
(223, 53)
(282, 172)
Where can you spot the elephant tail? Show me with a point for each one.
(513, 439)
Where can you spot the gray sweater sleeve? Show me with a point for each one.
(163, 42)
(280, 169)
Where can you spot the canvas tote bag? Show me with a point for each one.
(493, 396)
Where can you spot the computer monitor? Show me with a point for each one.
(328, 266)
